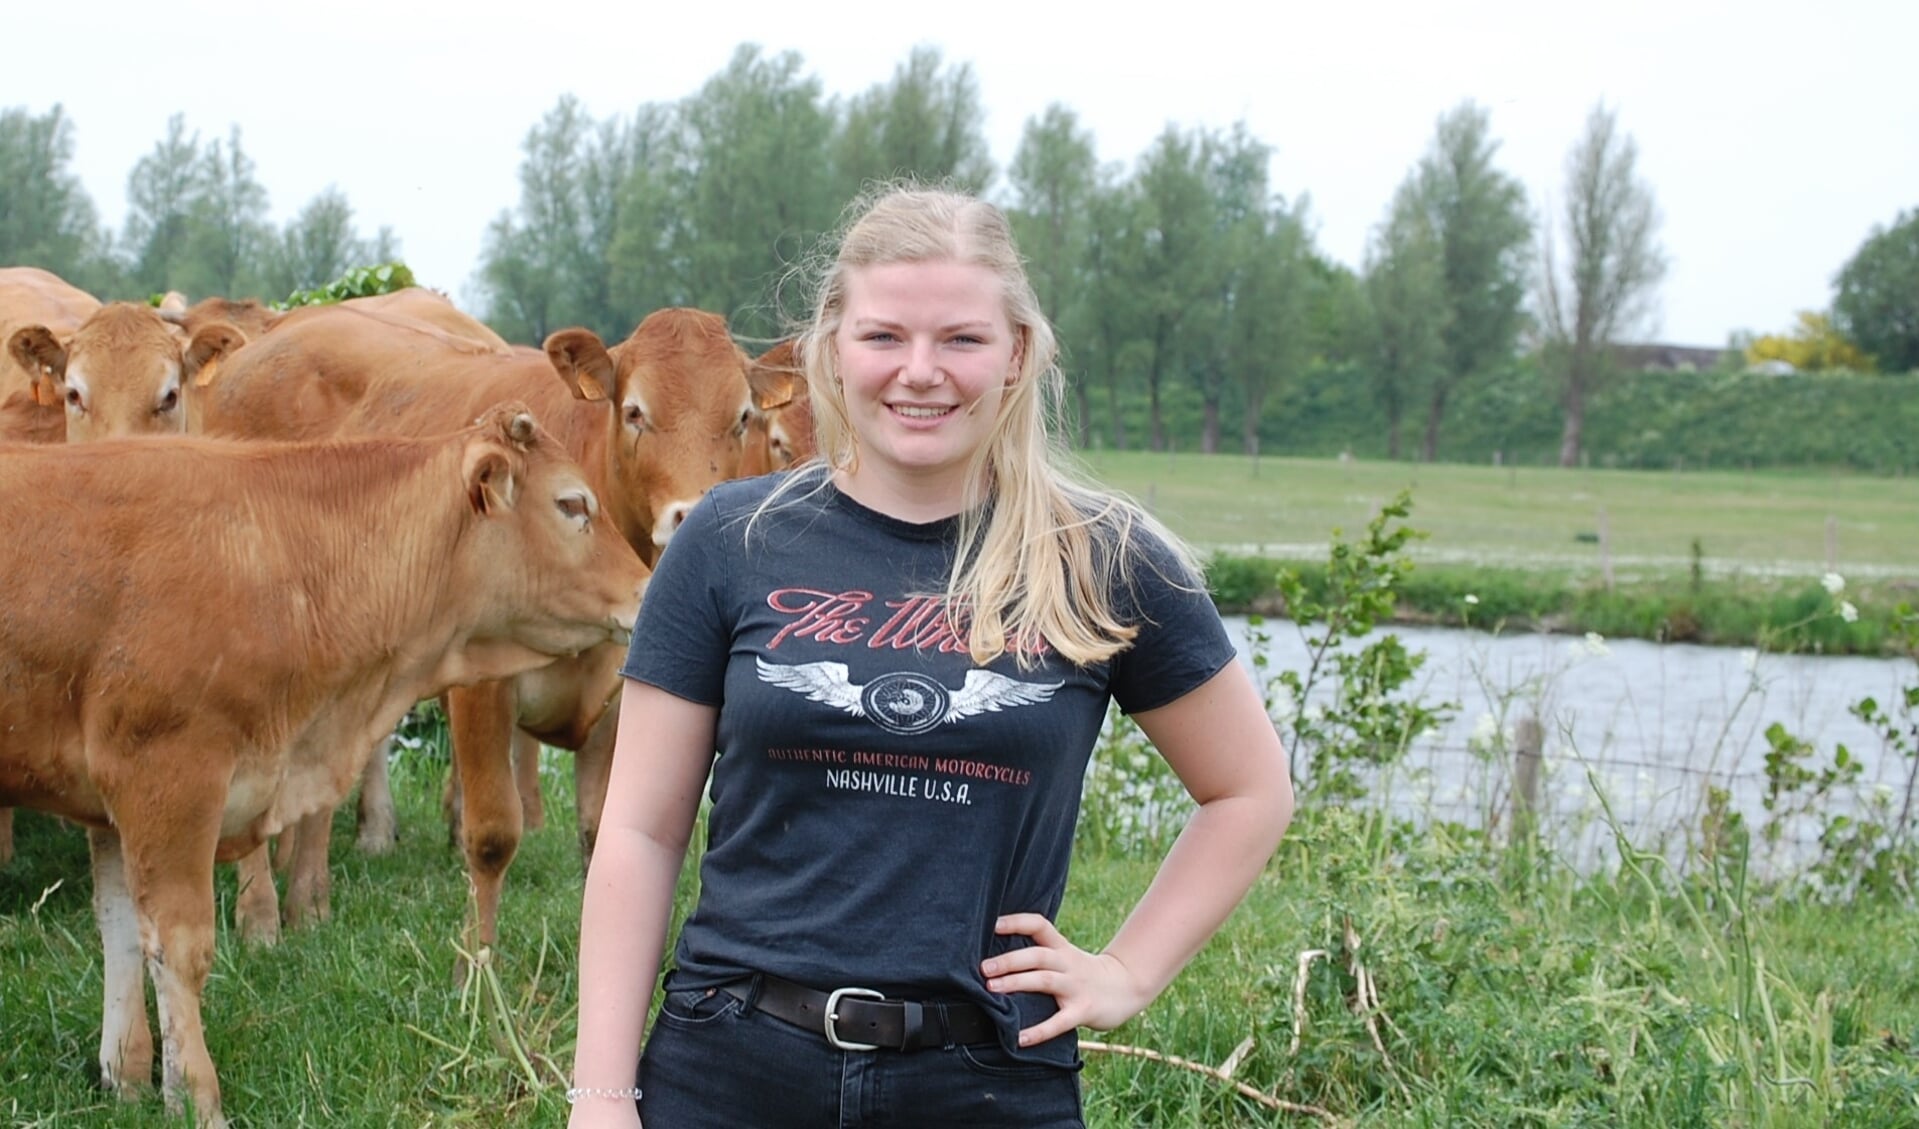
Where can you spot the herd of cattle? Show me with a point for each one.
(239, 544)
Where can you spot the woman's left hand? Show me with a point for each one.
(1092, 989)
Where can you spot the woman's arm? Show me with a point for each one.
(1224, 748)
(662, 754)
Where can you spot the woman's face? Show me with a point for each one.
(926, 351)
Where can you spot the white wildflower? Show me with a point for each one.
(1833, 583)
(1882, 793)
(1471, 599)
(1847, 612)
(1485, 734)
(1749, 658)
(1596, 645)
(1285, 707)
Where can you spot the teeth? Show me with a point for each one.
(921, 413)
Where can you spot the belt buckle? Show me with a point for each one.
(833, 999)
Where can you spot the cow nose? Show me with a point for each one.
(669, 520)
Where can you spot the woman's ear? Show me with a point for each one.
(1019, 357)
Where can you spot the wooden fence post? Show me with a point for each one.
(1529, 739)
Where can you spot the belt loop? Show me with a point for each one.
(946, 1028)
(754, 984)
(912, 1026)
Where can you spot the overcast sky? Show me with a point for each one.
(1774, 135)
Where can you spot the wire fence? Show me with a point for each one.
(1582, 806)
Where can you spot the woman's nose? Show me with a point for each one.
(922, 368)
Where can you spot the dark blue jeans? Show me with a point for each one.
(712, 1061)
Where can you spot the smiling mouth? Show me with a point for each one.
(919, 411)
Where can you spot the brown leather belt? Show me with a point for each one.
(859, 1019)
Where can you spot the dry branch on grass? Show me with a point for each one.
(1222, 1075)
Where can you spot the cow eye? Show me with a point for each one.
(74, 400)
(635, 418)
(577, 506)
(739, 429)
(168, 402)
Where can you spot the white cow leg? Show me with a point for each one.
(126, 1046)
(379, 828)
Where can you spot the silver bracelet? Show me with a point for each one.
(575, 1093)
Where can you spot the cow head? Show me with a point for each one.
(679, 402)
(781, 432)
(549, 560)
(123, 372)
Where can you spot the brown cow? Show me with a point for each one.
(229, 629)
(656, 421)
(122, 372)
(781, 433)
(29, 409)
(78, 370)
(414, 305)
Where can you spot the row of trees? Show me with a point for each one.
(1183, 274)
(1186, 270)
(196, 219)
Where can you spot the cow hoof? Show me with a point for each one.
(377, 840)
(262, 931)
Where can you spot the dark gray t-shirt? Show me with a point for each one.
(879, 800)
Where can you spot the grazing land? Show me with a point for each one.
(1758, 522)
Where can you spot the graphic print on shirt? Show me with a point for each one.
(898, 703)
(905, 702)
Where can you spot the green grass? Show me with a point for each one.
(1535, 516)
(1506, 995)
(1511, 990)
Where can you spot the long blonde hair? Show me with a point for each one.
(1040, 551)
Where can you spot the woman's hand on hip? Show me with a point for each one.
(1092, 989)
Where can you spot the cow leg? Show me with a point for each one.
(256, 911)
(310, 883)
(526, 777)
(169, 870)
(126, 1046)
(592, 770)
(481, 722)
(379, 829)
(6, 836)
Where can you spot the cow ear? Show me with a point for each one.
(773, 387)
(211, 342)
(581, 359)
(35, 349)
(489, 478)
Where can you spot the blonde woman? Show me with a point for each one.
(902, 653)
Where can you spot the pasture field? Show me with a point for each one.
(1765, 522)
(1444, 982)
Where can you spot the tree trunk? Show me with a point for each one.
(1569, 439)
(1249, 426)
(1434, 414)
(1209, 428)
(1156, 426)
(1394, 416)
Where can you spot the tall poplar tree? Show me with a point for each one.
(1608, 285)
(1053, 177)
(1478, 214)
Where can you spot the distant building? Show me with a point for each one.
(1667, 358)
